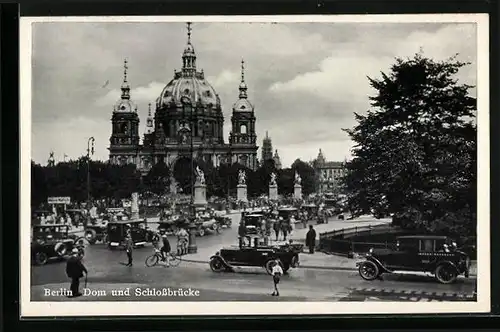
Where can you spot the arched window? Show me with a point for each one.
(243, 129)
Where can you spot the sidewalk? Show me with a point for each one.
(203, 254)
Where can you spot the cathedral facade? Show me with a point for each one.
(187, 123)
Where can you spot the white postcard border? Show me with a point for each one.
(30, 309)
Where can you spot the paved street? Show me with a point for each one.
(107, 273)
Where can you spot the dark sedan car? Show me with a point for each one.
(256, 255)
(424, 253)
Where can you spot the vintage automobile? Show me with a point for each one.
(286, 212)
(223, 221)
(253, 223)
(52, 241)
(117, 230)
(96, 232)
(424, 253)
(206, 222)
(312, 212)
(257, 255)
(172, 223)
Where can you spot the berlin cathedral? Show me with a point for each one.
(187, 123)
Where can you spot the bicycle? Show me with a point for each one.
(155, 258)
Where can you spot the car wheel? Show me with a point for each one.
(369, 270)
(446, 274)
(217, 265)
(91, 236)
(82, 241)
(41, 258)
(201, 232)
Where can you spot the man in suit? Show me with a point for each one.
(311, 239)
(74, 271)
(129, 246)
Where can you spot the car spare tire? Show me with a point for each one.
(91, 236)
(269, 266)
(60, 249)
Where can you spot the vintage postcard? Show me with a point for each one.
(213, 165)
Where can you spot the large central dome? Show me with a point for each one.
(188, 82)
(195, 86)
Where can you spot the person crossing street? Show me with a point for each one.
(129, 246)
(277, 272)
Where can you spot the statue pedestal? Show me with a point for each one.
(241, 193)
(273, 192)
(297, 191)
(200, 194)
(134, 209)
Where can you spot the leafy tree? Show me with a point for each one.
(307, 174)
(158, 178)
(415, 150)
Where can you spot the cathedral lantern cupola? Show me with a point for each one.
(189, 56)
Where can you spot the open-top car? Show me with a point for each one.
(423, 253)
(52, 241)
(256, 254)
(117, 231)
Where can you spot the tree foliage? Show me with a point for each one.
(415, 150)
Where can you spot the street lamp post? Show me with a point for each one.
(90, 152)
(192, 247)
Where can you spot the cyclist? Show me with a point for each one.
(165, 249)
(155, 240)
(182, 241)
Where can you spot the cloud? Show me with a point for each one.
(343, 75)
(141, 94)
(305, 79)
(224, 79)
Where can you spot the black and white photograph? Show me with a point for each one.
(217, 165)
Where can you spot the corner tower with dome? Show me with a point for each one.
(188, 122)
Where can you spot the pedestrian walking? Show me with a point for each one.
(276, 228)
(182, 241)
(311, 239)
(285, 227)
(242, 232)
(277, 272)
(74, 271)
(129, 246)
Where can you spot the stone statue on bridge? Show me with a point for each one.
(242, 177)
(200, 176)
(273, 179)
(298, 179)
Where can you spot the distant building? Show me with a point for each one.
(277, 159)
(329, 173)
(267, 152)
(267, 148)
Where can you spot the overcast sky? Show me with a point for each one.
(305, 79)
